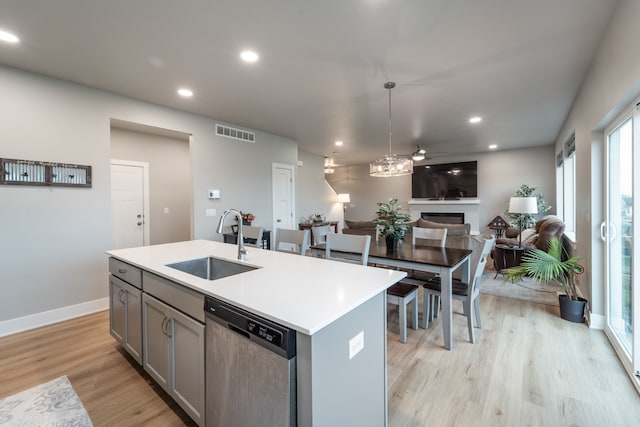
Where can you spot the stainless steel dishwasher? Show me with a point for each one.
(250, 369)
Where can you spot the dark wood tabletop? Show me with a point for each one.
(432, 255)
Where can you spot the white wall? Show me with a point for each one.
(53, 239)
(612, 84)
(315, 195)
(500, 173)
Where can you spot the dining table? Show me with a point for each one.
(433, 259)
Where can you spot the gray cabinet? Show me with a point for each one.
(125, 303)
(173, 349)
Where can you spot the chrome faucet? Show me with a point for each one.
(242, 251)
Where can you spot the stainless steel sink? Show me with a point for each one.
(211, 268)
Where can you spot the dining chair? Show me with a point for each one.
(468, 293)
(348, 247)
(319, 233)
(405, 292)
(251, 232)
(292, 241)
(437, 235)
(433, 237)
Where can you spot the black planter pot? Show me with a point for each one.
(572, 310)
(392, 244)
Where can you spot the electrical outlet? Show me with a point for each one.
(166, 210)
(210, 212)
(356, 344)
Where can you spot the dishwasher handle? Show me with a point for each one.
(239, 330)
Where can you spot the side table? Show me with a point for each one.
(505, 256)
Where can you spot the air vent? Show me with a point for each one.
(233, 133)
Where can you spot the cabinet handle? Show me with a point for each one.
(120, 296)
(169, 331)
(164, 319)
(122, 270)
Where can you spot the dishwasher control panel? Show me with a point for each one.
(277, 338)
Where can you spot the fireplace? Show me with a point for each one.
(463, 211)
(444, 217)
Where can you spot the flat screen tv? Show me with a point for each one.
(445, 181)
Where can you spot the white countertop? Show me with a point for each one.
(301, 292)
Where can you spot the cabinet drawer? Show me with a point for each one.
(126, 272)
(184, 299)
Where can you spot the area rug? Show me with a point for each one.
(526, 289)
(50, 404)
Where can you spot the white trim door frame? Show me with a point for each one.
(283, 195)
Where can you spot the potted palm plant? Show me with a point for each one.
(549, 266)
(391, 218)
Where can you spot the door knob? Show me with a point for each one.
(139, 216)
(139, 222)
(278, 220)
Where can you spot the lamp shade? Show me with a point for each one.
(344, 198)
(523, 205)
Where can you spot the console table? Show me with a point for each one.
(307, 226)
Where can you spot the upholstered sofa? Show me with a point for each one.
(360, 227)
(545, 229)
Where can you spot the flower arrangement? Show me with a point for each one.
(316, 217)
(391, 217)
(247, 217)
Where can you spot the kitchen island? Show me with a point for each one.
(338, 312)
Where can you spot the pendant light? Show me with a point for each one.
(391, 164)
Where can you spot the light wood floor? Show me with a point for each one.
(529, 367)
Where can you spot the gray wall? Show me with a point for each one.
(612, 84)
(54, 239)
(169, 180)
(500, 173)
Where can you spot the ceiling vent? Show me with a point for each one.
(233, 133)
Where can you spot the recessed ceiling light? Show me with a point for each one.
(249, 56)
(475, 119)
(185, 92)
(8, 37)
(493, 146)
(338, 143)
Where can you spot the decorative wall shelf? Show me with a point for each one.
(29, 172)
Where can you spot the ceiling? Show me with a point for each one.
(516, 63)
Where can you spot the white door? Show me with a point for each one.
(283, 197)
(129, 199)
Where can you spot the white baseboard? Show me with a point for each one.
(596, 321)
(20, 324)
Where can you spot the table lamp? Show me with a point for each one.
(522, 206)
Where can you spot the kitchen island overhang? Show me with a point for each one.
(303, 293)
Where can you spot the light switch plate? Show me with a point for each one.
(214, 194)
(356, 344)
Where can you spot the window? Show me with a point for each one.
(566, 185)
